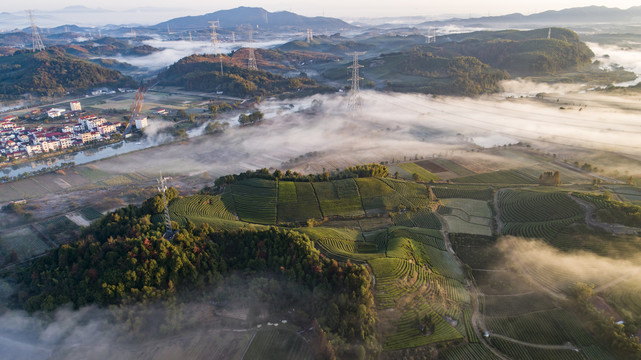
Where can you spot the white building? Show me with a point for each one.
(54, 113)
(141, 123)
(75, 106)
(65, 142)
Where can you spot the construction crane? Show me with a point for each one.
(135, 108)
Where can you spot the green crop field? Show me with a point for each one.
(202, 207)
(255, 200)
(537, 214)
(278, 344)
(339, 198)
(377, 195)
(465, 191)
(473, 208)
(423, 174)
(513, 176)
(542, 327)
(518, 351)
(476, 250)
(423, 218)
(467, 216)
(518, 304)
(297, 202)
(531, 206)
(468, 352)
(344, 244)
(416, 194)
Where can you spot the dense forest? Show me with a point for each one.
(202, 73)
(124, 259)
(53, 72)
(462, 75)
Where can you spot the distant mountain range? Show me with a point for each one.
(578, 15)
(257, 18)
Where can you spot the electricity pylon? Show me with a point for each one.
(251, 57)
(214, 42)
(37, 41)
(162, 188)
(355, 97)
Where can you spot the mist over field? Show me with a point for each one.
(612, 56)
(174, 50)
(212, 324)
(393, 126)
(535, 258)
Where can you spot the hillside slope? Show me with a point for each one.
(53, 72)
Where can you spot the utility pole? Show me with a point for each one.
(251, 57)
(37, 41)
(355, 98)
(214, 42)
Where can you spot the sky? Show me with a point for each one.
(336, 8)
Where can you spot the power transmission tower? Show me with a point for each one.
(99, 34)
(37, 41)
(251, 57)
(162, 187)
(233, 37)
(136, 108)
(431, 35)
(355, 98)
(310, 36)
(549, 33)
(214, 42)
(190, 36)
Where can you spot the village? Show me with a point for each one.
(76, 130)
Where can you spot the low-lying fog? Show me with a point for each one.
(174, 50)
(391, 126)
(613, 56)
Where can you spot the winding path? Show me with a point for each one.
(590, 220)
(477, 320)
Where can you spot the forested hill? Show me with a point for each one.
(53, 72)
(202, 73)
(521, 53)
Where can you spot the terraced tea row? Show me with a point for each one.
(530, 206)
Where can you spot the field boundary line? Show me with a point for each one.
(360, 196)
(249, 345)
(318, 199)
